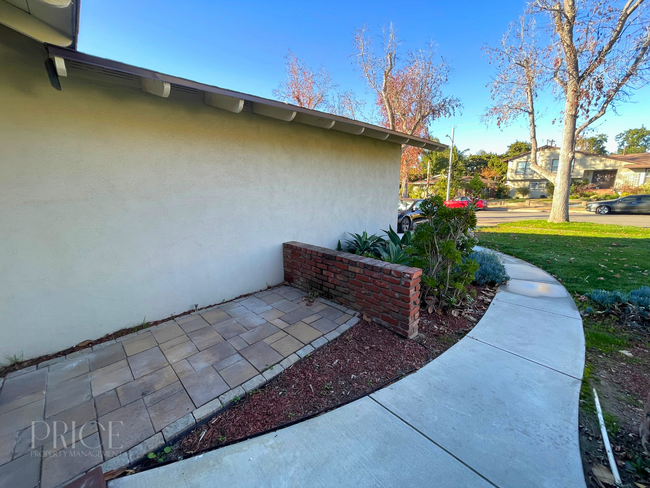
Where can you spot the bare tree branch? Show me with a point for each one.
(632, 70)
(520, 75)
(305, 87)
(408, 93)
(602, 51)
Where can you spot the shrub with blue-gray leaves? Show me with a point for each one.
(491, 271)
(635, 305)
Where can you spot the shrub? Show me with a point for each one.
(364, 245)
(550, 188)
(393, 254)
(373, 246)
(607, 299)
(392, 250)
(405, 240)
(640, 297)
(629, 189)
(440, 247)
(491, 271)
(580, 188)
(523, 191)
(501, 191)
(417, 191)
(475, 187)
(635, 304)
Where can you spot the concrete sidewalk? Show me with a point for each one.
(500, 408)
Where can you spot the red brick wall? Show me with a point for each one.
(388, 293)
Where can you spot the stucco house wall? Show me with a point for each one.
(583, 168)
(116, 204)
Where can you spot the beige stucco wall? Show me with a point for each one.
(583, 168)
(116, 204)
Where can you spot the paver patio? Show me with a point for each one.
(128, 397)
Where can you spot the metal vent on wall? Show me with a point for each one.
(184, 89)
(88, 68)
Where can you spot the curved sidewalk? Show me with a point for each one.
(500, 408)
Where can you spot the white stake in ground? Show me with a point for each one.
(608, 447)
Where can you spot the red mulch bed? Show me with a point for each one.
(367, 357)
(439, 332)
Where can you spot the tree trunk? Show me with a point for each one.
(405, 187)
(560, 208)
(532, 125)
(564, 22)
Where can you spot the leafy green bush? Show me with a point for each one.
(475, 187)
(501, 191)
(491, 271)
(550, 188)
(524, 191)
(440, 246)
(580, 187)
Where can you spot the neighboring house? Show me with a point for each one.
(422, 184)
(130, 193)
(604, 172)
(638, 167)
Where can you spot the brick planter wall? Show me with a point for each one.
(388, 293)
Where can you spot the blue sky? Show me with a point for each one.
(242, 45)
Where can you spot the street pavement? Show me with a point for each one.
(494, 217)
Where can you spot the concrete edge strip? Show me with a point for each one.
(432, 441)
(554, 282)
(522, 357)
(496, 298)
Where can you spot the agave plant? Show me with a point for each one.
(402, 242)
(393, 254)
(363, 244)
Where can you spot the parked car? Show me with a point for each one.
(465, 202)
(629, 204)
(408, 215)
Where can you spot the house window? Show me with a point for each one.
(538, 185)
(522, 168)
(554, 164)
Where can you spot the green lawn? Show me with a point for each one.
(584, 256)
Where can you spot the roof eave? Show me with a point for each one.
(45, 26)
(233, 101)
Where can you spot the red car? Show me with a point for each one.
(464, 202)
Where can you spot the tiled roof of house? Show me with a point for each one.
(638, 161)
(641, 160)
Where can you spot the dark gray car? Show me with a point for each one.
(638, 204)
(408, 215)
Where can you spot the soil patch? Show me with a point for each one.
(623, 383)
